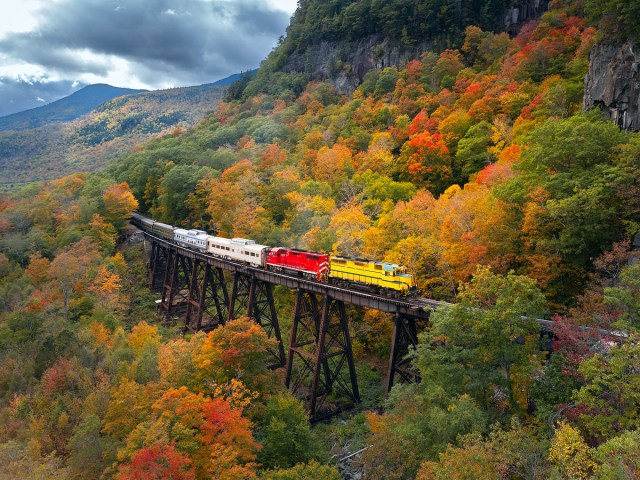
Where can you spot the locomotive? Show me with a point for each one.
(373, 276)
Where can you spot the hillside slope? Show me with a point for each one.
(88, 143)
(64, 110)
(342, 41)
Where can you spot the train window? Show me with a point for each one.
(378, 267)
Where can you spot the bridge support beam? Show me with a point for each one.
(177, 277)
(254, 298)
(405, 335)
(320, 340)
(208, 298)
(157, 266)
(262, 310)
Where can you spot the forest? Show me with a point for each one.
(474, 166)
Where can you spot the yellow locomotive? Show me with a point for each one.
(375, 276)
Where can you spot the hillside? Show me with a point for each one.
(64, 110)
(57, 148)
(474, 164)
(343, 40)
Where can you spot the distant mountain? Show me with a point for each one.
(54, 147)
(66, 109)
(225, 82)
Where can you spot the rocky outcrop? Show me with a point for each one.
(346, 63)
(524, 11)
(613, 82)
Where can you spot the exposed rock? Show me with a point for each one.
(346, 63)
(523, 12)
(613, 83)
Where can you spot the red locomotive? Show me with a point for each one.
(308, 264)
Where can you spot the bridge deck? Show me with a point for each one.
(418, 308)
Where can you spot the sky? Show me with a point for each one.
(50, 48)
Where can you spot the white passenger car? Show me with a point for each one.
(191, 238)
(240, 249)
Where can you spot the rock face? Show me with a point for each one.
(345, 63)
(613, 83)
(524, 11)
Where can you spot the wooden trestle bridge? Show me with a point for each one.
(194, 287)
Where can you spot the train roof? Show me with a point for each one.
(199, 234)
(298, 250)
(385, 265)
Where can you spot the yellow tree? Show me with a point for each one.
(349, 224)
(570, 453)
(118, 203)
(332, 164)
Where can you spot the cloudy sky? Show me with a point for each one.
(50, 48)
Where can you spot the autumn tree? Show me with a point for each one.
(71, 266)
(349, 224)
(158, 462)
(238, 350)
(223, 446)
(570, 453)
(119, 202)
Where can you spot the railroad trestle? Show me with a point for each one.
(319, 359)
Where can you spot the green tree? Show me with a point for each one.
(624, 297)
(303, 471)
(286, 436)
(175, 187)
(619, 457)
(420, 422)
(611, 394)
(472, 155)
(486, 345)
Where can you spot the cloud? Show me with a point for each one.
(157, 42)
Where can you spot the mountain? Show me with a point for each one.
(66, 109)
(342, 41)
(225, 82)
(65, 141)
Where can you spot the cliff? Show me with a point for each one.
(345, 63)
(613, 82)
(342, 41)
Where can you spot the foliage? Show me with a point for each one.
(518, 452)
(617, 18)
(570, 453)
(420, 424)
(611, 393)
(286, 435)
(473, 167)
(303, 471)
(486, 345)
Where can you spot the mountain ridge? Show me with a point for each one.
(65, 109)
(90, 141)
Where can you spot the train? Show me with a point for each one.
(384, 278)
